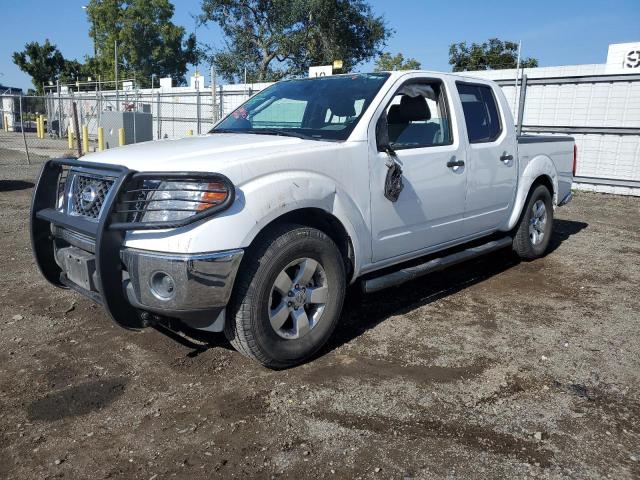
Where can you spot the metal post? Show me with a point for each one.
(158, 121)
(523, 96)
(214, 103)
(515, 90)
(81, 118)
(24, 136)
(198, 123)
(221, 104)
(59, 110)
(76, 127)
(115, 47)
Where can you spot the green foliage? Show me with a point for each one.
(148, 41)
(388, 63)
(491, 55)
(45, 63)
(277, 38)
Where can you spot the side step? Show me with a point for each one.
(406, 274)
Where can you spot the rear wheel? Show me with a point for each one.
(536, 225)
(288, 296)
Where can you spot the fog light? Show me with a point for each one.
(162, 285)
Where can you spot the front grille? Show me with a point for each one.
(87, 194)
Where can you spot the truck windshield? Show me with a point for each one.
(324, 108)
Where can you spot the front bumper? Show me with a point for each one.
(90, 257)
(194, 288)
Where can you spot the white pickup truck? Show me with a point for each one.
(257, 227)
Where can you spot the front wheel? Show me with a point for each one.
(534, 229)
(288, 296)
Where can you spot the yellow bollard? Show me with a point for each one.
(85, 139)
(189, 132)
(100, 139)
(6, 122)
(70, 137)
(121, 136)
(41, 126)
(38, 126)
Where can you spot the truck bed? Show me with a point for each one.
(559, 148)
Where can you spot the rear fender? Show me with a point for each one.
(539, 166)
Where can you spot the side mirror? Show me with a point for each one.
(382, 134)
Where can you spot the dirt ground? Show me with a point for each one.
(493, 369)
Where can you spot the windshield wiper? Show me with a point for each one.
(265, 131)
(282, 133)
(224, 130)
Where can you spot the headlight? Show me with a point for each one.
(171, 200)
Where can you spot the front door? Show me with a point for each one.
(491, 159)
(430, 209)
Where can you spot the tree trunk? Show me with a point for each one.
(264, 65)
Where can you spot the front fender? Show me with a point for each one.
(259, 202)
(537, 167)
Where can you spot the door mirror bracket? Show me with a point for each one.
(382, 135)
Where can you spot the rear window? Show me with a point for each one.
(480, 112)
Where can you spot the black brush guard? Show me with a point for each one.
(108, 232)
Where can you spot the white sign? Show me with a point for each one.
(196, 82)
(127, 86)
(322, 71)
(166, 82)
(624, 58)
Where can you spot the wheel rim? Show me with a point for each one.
(298, 298)
(538, 222)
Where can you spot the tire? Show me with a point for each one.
(257, 326)
(535, 227)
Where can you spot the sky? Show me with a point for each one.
(558, 32)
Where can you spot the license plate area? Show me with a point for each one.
(79, 266)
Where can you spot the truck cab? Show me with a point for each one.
(257, 227)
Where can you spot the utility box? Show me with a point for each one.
(138, 127)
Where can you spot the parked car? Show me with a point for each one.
(257, 227)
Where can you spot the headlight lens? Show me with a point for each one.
(170, 201)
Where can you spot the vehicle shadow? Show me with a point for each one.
(13, 185)
(562, 230)
(363, 312)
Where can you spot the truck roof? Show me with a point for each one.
(393, 74)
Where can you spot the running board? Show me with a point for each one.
(406, 274)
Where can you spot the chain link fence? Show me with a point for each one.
(36, 128)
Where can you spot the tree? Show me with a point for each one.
(276, 38)
(387, 63)
(491, 55)
(43, 63)
(148, 41)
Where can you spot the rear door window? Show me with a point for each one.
(480, 112)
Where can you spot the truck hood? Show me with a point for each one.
(204, 153)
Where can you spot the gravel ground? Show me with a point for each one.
(493, 369)
(12, 149)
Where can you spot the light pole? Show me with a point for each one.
(93, 28)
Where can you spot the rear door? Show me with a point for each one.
(427, 145)
(491, 158)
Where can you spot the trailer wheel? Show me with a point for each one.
(535, 227)
(288, 296)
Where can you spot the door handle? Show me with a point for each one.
(506, 158)
(455, 163)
